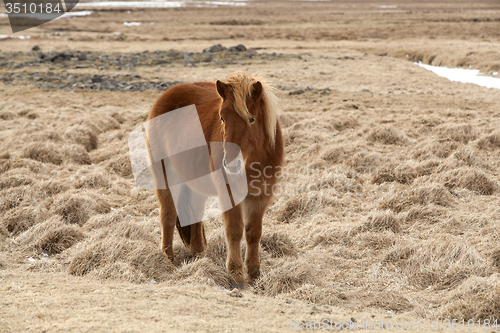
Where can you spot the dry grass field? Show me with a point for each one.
(389, 208)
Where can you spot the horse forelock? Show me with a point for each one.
(242, 85)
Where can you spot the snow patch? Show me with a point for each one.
(158, 4)
(463, 75)
(132, 24)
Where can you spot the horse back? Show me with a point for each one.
(203, 94)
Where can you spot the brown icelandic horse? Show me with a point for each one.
(241, 110)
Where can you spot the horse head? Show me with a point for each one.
(247, 119)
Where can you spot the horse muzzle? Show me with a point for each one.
(233, 168)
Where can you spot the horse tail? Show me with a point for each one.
(184, 232)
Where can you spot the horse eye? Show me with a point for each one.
(222, 119)
(251, 120)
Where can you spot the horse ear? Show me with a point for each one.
(257, 90)
(221, 89)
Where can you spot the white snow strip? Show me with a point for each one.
(463, 75)
(76, 14)
(132, 24)
(156, 4)
(14, 37)
(132, 4)
(221, 3)
(388, 7)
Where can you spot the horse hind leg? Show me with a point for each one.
(193, 236)
(168, 216)
(198, 238)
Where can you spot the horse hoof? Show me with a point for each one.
(253, 276)
(238, 278)
(251, 282)
(196, 251)
(197, 254)
(169, 254)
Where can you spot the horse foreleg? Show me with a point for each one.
(233, 224)
(253, 211)
(168, 217)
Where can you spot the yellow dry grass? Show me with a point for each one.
(390, 199)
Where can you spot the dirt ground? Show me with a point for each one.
(389, 209)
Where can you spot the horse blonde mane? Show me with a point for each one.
(242, 85)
